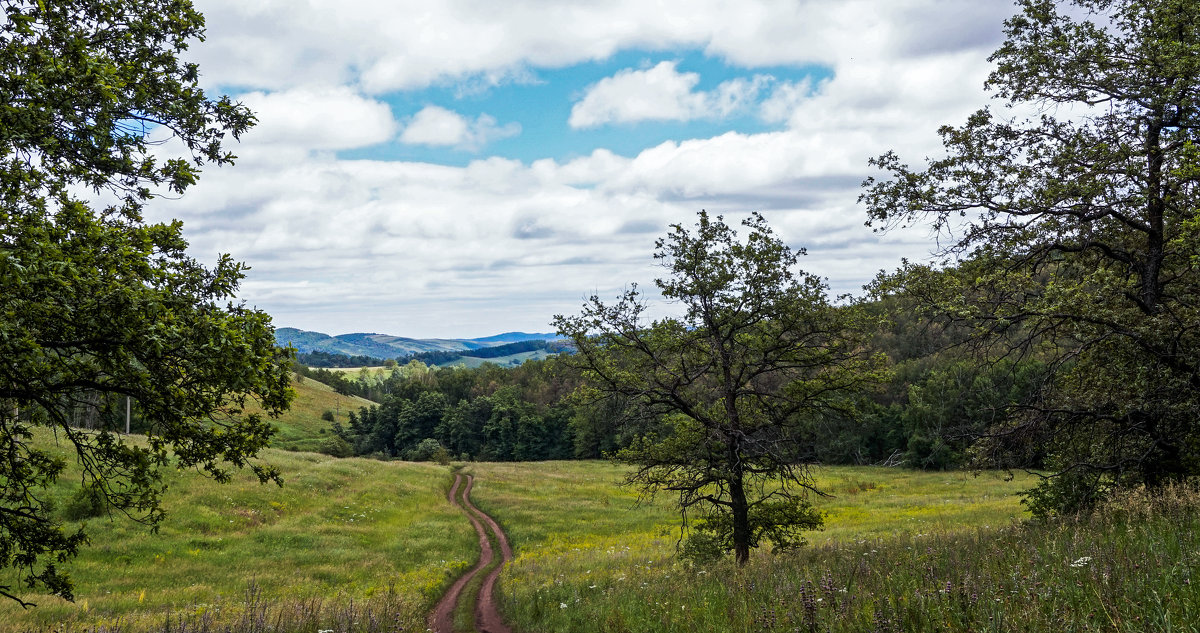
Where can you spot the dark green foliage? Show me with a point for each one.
(96, 305)
(336, 446)
(424, 451)
(488, 413)
(758, 357)
(1078, 250)
(87, 502)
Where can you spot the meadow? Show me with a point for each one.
(902, 551)
(343, 541)
(301, 428)
(362, 545)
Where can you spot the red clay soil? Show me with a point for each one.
(487, 617)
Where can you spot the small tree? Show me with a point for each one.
(758, 354)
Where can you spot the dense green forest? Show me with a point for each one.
(927, 416)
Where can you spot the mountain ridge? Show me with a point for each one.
(391, 346)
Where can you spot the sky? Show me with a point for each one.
(461, 168)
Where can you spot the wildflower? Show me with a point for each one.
(1082, 562)
(562, 605)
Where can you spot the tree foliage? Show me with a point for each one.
(757, 355)
(97, 305)
(1074, 234)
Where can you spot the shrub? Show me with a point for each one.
(87, 502)
(336, 447)
(425, 450)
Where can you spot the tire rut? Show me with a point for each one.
(487, 616)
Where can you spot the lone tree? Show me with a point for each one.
(1076, 239)
(758, 356)
(97, 305)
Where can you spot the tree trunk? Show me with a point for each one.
(740, 510)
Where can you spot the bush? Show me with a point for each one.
(327, 415)
(425, 450)
(336, 447)
(87, 502)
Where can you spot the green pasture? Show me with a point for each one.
(301, 428)
(340, 534)
(901, 551)
(361, 545)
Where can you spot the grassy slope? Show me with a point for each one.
(902, 551)
(301, 427)
(338, 531)
(468, 361)
(473, 362)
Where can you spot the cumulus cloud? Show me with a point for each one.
(499, 244)
(388, 45)
(438, 127)
(333, 118)
(660, 93)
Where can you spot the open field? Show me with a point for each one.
(301, 427)
(903, 551)
(340, 536)
(466, 361)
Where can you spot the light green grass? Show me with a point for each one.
(301, 428)
(902, 551)
(337, 531)
(555, 505)
(472, 362)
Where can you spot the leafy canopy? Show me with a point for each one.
(735, 382)
(98, 307)
(1073, 235)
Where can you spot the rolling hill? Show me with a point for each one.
(389, 346)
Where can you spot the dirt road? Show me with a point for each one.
(487, 617)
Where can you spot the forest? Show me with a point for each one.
(936, 403)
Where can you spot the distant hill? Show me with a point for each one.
(387, 346)
(515, 337)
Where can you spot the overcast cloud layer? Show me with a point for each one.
(489, 202)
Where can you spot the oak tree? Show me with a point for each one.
(1072, 238)
(736, 380)
(97, 306)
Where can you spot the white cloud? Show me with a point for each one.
(423, 249)
(660, 93)
(319, 119)
(387, 45)
(438, 127)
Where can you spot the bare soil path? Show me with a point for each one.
(487, 617)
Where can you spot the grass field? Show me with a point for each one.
(339, 539)
(359, 545)
(902, 551)
(301, 428)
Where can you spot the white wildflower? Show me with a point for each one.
(1082, 561)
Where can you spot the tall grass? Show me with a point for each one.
(351, 536)
(886, 564)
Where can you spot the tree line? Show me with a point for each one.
(318, 358)
(935, 404)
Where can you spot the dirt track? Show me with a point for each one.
(487, 617)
